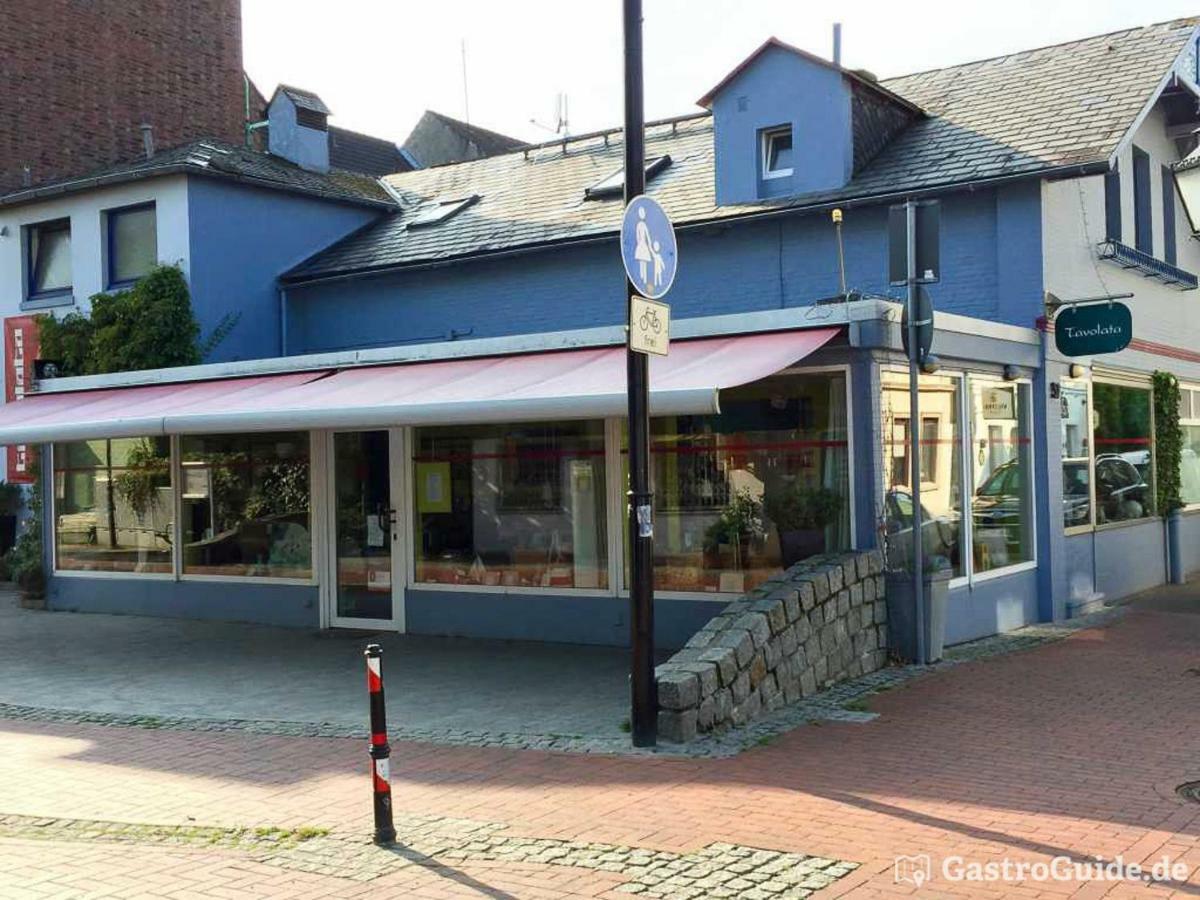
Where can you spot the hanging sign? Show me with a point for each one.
(1093, 329)
(20, 350)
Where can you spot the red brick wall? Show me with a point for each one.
(80, 76)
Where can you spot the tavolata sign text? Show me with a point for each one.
(1090, 330)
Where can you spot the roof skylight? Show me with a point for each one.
(441, 211)
(614, 184)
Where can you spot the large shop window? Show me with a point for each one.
(740, 496)
(1124, 452)
(518, 505)
(1002, 504)
(113, 505)
(941, 470)
(246, 509)
(1189, 463)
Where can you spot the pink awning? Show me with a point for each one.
(567, 384)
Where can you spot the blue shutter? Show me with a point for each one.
(1168, 195)
(1143, 227)
(1112, 205)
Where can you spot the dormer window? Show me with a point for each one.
(777, 152)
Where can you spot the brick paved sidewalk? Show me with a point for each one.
(1071, 748)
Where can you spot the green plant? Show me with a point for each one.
(1168, 442)
(145, 471)
(148, 326)
(799, 506)
(25, 560)
(741, 518)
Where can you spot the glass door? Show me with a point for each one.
(366, 531)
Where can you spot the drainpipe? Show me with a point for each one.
(283, 311)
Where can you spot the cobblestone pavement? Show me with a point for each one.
(833, 704)
(1073, 748)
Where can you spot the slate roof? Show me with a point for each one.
(354, 151)
(1016, 115)
(487, 142)
(220, 160)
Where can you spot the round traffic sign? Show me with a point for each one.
(648, 247)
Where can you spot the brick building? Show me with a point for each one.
(81, 79)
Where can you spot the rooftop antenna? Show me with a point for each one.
(837, 43)
(561, 124)
(466, 93)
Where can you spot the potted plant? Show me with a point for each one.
(739, 522)
(900, 587)
(801, 513)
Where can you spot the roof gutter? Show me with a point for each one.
(1073, 170)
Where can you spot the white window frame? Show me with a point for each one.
(1192, 421)
(966, 536)
(1119, 379)
(1025, 417)
(766, 139)
(1091, 462)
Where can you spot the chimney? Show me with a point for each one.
(298, 128)
(837, 43)
(148, 139)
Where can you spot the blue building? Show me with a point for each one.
(429, 436)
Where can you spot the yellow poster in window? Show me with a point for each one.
(433, 487)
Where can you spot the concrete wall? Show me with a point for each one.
(242, 238)
(264, 603)
(992, 605)
(782, 88)
(559, 618)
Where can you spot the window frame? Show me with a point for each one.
(1143, 202)
(110, 246)
(31, 298)
(1117, 379)
(766, 138)
(966, 379)
(316, 509)
(1192, 421)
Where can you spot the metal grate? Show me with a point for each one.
(1189, 790)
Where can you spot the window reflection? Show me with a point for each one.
(742, 495)
(519, 505)
(1123, 447)
(1002, 508)
(1076, 426)
(113, 505)
(941, 470)
(246, 505)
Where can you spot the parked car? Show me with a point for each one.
(1121, 493)
(939, 533)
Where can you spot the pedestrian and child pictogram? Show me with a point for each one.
(648, 247)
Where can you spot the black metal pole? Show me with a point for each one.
(914, 432)
(644, 705)
(381, 776)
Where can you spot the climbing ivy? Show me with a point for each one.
(147, 326)
(1168, 441)
(25, 559)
